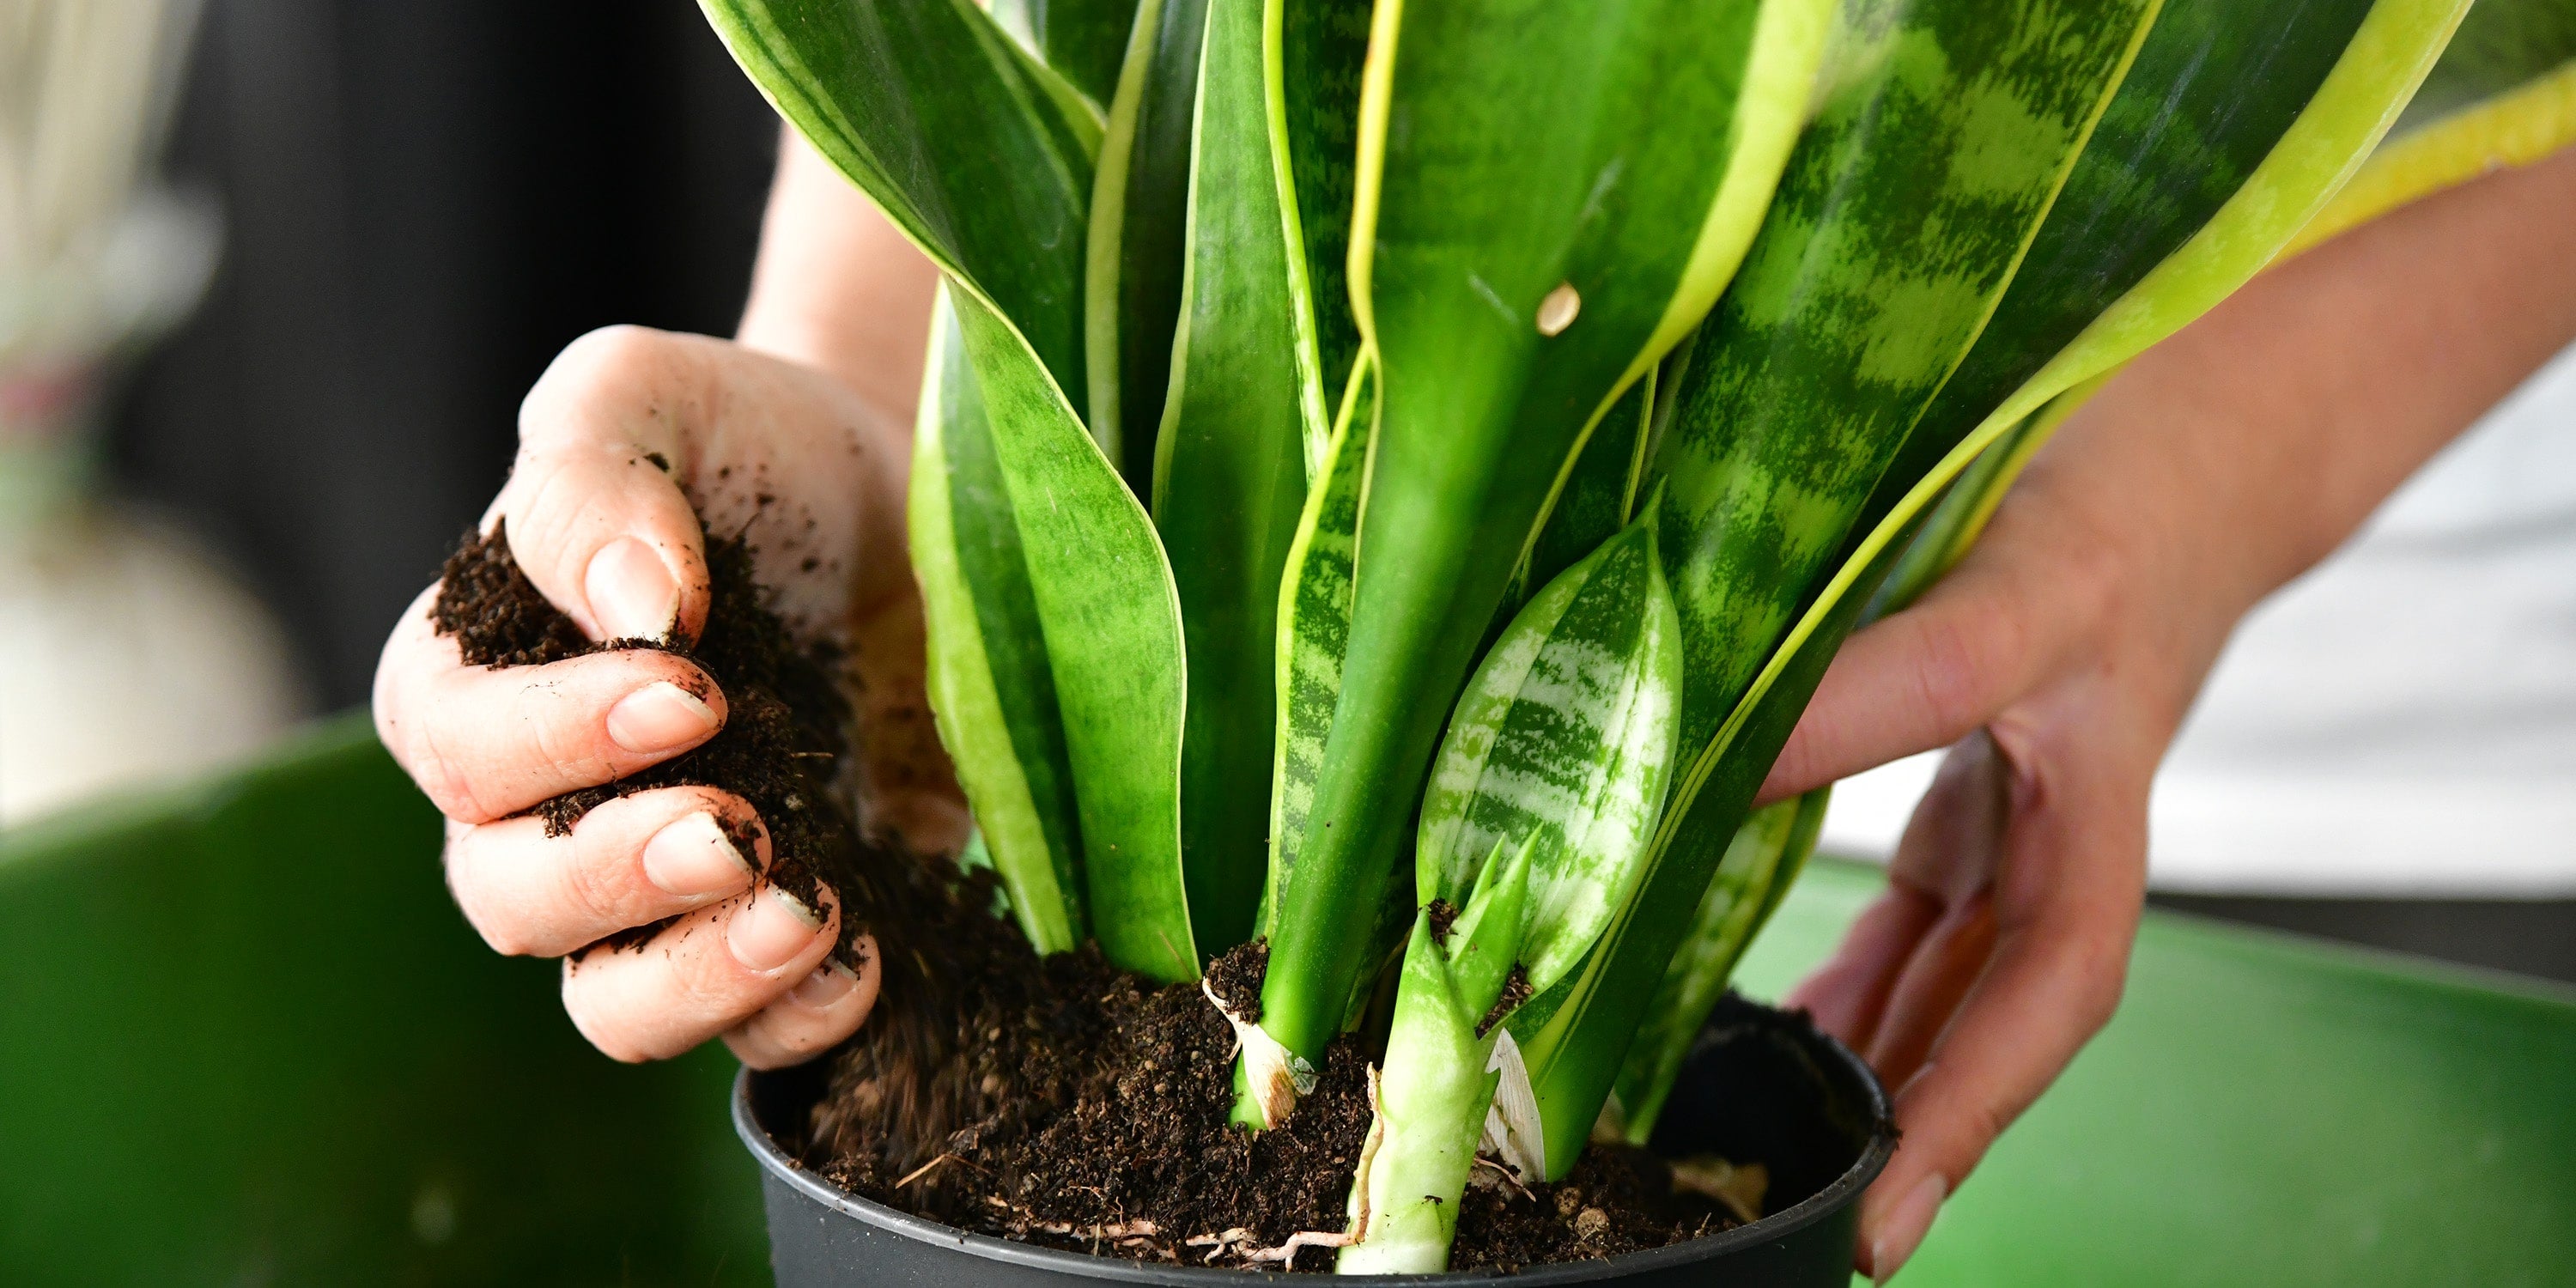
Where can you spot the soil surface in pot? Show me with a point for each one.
(1057, 1101)
(1092, 1110)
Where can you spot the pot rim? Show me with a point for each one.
(1844, 1189)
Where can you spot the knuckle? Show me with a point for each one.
(593, 890)
(442, 774)
(611, 362)
(2102, 977)
(501, 933)
(613, 1039)
(1968, 660)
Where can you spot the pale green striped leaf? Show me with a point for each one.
(1314, 628)
(1898, 224)
(2371, 80)
(1562, 743)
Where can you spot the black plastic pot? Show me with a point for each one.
(1760, 1085)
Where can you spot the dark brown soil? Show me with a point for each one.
(1093, 1114)
(1057, 1100)
(784, 731)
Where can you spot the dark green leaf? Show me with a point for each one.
(1083, 40)
(990, 687)
(950, 128)
(1230, 477)
(1139, 222)
(1104, 599)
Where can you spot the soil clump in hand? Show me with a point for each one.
(784, 732)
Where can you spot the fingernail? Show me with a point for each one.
(694, 858)
(632, 595)
(829, 983)
(771, 930)
(1905, 1226)
(661, 716)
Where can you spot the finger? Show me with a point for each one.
(1930, 988)
(629, 862)
(822, 1009)
(1918, 680)
(1946, 855)
(595, 512)
(1847, 994)
(1951, 848)
(704, 974)
(485, 743)
(2065, 910)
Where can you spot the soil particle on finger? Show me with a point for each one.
(784, 731)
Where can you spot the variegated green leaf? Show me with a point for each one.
(1230, 475)
(1314, 628)
(1600, 494)
(1135, 256)
(2213, 88)
(2387, 56)
(1106, 606)
(1083, 40)
(1901, 219)
(953, 131)
(2501, 45)
(1518, 259)
(1761, 862)
(990, 688)
(1561, 743)
(1897, 226)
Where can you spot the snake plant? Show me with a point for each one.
(1392, 473)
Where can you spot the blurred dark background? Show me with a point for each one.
(422, 203)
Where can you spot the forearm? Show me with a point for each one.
(2294, 409)
(837, 287)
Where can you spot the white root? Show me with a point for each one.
(1217, 1244)
(1120, 1232)
(1739, 1187)
(1286, 1253)
(1504, 1175)
(1274, 1073)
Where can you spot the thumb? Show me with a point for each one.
(595, 510)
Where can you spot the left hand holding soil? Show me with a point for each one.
(553, 740)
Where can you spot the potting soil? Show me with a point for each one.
(1059, 1100)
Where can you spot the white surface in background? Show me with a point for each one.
(2400, 721)
(126, 657)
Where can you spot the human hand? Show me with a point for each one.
(2056, 663)
(813, 476)
(2058, 660)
